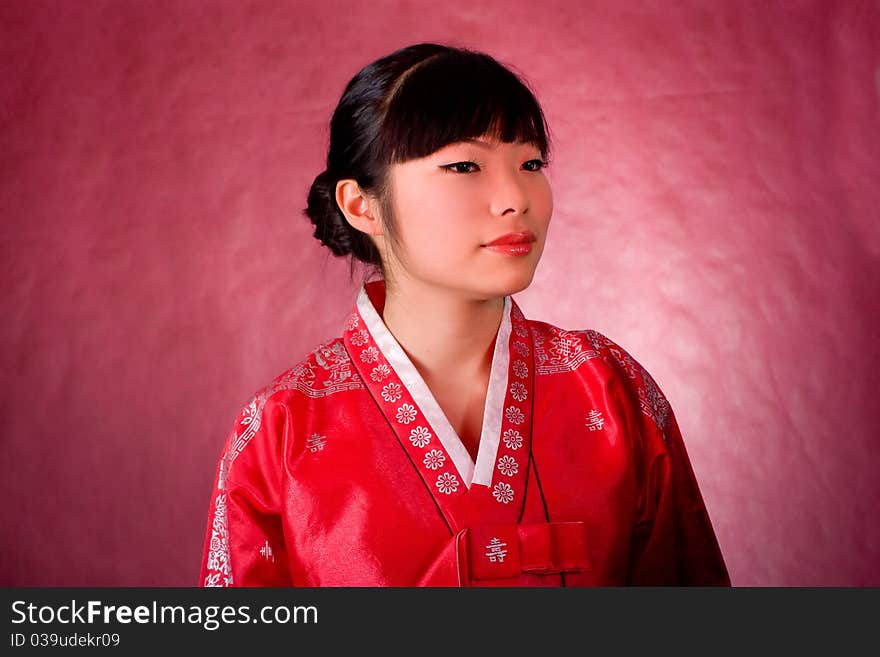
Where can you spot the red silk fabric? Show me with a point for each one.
(338, 474)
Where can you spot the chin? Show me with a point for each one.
(501, 284)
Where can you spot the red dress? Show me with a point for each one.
(344, 471)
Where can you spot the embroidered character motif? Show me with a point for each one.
(561, 351)
(496, 551)
(316, 442)
(334, 358)
(595, 421)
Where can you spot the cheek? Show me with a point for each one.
(541, 210)
(435, 219)
(542, 200)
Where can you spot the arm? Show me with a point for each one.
(672, 542)
(244, 542)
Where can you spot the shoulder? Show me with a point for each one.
(325, 370)
(565, 350)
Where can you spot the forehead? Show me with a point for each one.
(488, 143)
(491, 142)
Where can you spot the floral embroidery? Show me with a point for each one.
(503, 492)
(406, 413)
(513, 439)
(521, 348)
(520, 369)
(518, 391)
(380, 372)
(508, 466)
(360, 338)
(370, 355)
(419, 437)
(520, 330)
(447, 483)
(391, 393)
(434, 459)
(514, 415)
(352, 322)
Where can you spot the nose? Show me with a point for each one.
(509, 193)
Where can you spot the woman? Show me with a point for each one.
(444, 439)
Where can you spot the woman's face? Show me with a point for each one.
(450, 204)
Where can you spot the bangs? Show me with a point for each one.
(454, 97)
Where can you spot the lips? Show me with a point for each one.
(522, 237)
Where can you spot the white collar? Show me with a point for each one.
(470, 472)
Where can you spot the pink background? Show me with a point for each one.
(715, 179)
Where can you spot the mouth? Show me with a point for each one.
(521, 238)
(512, 244)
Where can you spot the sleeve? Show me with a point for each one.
(673, 543)
(244, 543)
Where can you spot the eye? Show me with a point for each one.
(538, 164)
(455, 167)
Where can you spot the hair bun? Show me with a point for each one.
(331, 228)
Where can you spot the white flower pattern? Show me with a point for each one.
(380, 372)
(391, 392)
(434, 459)
(521, 348)
(520, 369)
(360, 338)
(419, 437)
(352, 322)
(406, 413)
(513, 439)
(514, 415)
(370, 355)
(508, 466)
(503, 492)
(447, 483)
(518, 391)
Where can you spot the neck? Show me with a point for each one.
(446, 336)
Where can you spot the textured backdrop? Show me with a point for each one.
(716, 213)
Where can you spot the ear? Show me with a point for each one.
(359, 208)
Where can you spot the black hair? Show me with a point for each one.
(407, 105)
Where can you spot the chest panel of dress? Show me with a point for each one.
(585, 436)
(354, 503)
